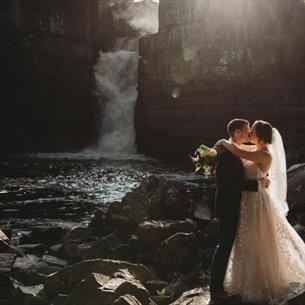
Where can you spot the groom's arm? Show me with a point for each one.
(250, 185)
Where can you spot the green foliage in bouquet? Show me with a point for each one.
(204, 159)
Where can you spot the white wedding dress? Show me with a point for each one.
(267, 262)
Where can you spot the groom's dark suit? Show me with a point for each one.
(230, 183)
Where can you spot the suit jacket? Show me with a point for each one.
(230, 183)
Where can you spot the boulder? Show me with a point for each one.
(197, 296)
(126, 299)
(37, 249)
(173, 252)
(25, 269)
(152, 232)
(6, 261)
(64, 281)
(97, 287)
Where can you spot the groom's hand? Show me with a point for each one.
(264, 182)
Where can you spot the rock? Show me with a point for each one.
(52, 260)
(60, 299)
(6, 286)
(175, 204)
(174, 289)
(210, 235)
(26, 269)
(202, 212)
(197, 296)
(3, 236)
(46, 235)
(79, 233)
(153, 232)
(161, 300)
(97, 287)
(103, 248)
(206, 257)
(37, 249)
(126, 299)
(154, 286)
(6, 261)
(64, 281)
(300, 300)
(173, 252)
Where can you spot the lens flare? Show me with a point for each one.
(176, 92)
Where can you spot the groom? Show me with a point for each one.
(230, 183)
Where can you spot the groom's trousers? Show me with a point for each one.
(227, 231)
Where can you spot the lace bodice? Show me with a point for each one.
(252, 170)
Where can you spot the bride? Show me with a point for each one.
(267, 262)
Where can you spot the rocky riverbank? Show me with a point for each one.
(153, 247)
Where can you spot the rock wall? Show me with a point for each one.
(212, 61)
(47, 51)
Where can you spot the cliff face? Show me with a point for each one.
(212, 61)
(47, 51)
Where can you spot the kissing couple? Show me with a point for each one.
(260, 258)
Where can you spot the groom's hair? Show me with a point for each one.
(236, 124)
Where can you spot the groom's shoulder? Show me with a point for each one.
(224, 154)
(223, 151)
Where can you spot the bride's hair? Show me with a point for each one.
(263, 131)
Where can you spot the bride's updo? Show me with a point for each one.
(263, 131)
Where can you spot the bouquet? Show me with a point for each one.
(204, 159)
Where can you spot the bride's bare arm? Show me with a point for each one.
(255, 156)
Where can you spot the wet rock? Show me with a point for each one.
(205, 257)
(197, 296)
(104, 246)
(175, 203)
(6, 286)
(153, 232)
(37, 249)
(47, 235)
(64, 281)
(79, 233)
(97, 287)
(54, 261)
(126, 299)
(26, 269)
(300, 300)
(173, 252)
(153, 199)
(60, 299)
(174, 289)
(29, 299)
(155, 286)
(6, 261)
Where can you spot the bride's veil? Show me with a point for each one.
(278, 173)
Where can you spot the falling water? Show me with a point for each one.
(116, 77)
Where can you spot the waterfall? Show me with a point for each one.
(116, 79)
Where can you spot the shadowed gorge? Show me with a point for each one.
(212, 61)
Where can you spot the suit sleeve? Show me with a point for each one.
(250, 185)
(232, 176)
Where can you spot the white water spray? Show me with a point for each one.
(116, 77)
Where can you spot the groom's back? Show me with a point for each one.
(229, 177)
